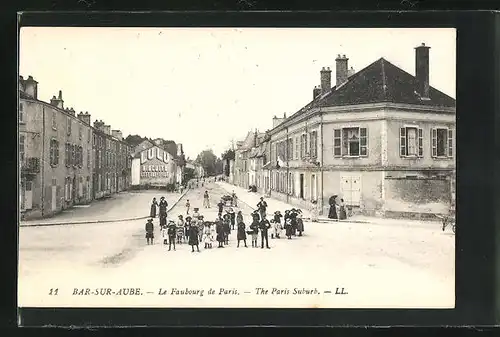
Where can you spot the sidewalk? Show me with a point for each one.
(253, 198)
(124, 206)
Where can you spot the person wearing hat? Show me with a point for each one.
(163, 207)
(172, 231)
(201, 226)
(206, 200)
(207, 235)
(239, 217)
(152, 212)
(277, 225)
(241, 235)
(255, 228)
(194, 238)
(232, 216)
(264, 228)
(220, 233)
(288, 228)
(149, 231)
(300, 223)
(226, 225)
(187, 225)
(221, 206)
(262, 206)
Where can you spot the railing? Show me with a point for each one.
(30, 166)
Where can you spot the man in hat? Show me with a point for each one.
(264, 228)
(172, 231)
(262, 206)
(149, 231)
(194, 237)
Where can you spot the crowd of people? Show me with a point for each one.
(195, 230)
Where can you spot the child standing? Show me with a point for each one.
(149, 231)
(188, 205)
(276, 225)
(171, 231)
(255, 231)
(241, 234)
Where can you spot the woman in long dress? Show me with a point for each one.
(332, 214)
(152, 212)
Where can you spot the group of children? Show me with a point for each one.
(195, 230)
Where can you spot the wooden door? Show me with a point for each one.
(54, 198)
(28, 195)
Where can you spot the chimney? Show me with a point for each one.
(117, 134)
(98, 125)
(277, 121)
(422, 70)
(57, 102)
(84, 117)
(326, 80)
(316, 92)
(179, 150)
(106, 129)
(351, 72)
(21, 84)
(31, 87)
(341, 71)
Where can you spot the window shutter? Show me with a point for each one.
(57, 153)
(363, 142)
(434, 142)
(450, 143)
(337, 142)
(345, 143)
(402, 142)
(420, 143)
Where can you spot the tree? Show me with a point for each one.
(207, 159)
(227, 157)
(134, 140)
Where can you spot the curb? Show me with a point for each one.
(46, 224)
(320, 220)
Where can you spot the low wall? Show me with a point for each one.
(417, 195)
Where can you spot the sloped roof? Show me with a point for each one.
(379, 82)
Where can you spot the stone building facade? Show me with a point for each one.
(56, 154)
(381, 139)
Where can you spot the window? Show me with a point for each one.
(74, 156)
(442, 142)
(21, 112)
(303, 141)
(54, 120)
(88, 135)
(80, 131)
(54, 152)
(313, 143)
(350, 142)
(411, 142)
(289, 153)
(88, 158)
(297, 145)
(21, 148)
(66, 154)
(69, 126)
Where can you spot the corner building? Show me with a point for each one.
(381, 139)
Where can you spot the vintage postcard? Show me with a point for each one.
(237, 167)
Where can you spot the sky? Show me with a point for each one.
(207, 87)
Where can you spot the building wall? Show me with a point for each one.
(155, 167)
(414, 195)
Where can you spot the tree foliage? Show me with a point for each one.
(189, 174)
(207, 159)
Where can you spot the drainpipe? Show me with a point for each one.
(287, 169)
(321, 163)
(42, 161)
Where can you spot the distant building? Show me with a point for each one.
(153, 165)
